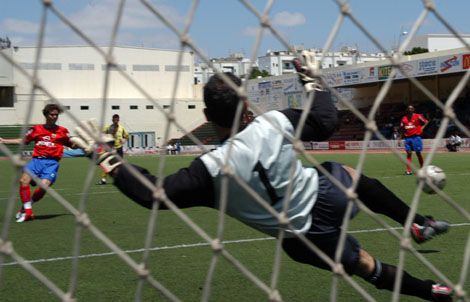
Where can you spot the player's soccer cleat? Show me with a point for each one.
(431, 228)
(441, 293)
(102, 181)
(19, 213)
(25, 217)
(408, 173)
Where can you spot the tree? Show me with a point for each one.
(415, 50)
(255, 73)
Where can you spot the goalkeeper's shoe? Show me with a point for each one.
(431, 228)
(441, 293)
(25, 217)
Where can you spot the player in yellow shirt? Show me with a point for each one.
(120, 135)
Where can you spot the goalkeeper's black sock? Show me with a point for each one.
(381, 200)
(383, 277)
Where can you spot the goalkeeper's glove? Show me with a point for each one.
(96, 145)
(306, 71)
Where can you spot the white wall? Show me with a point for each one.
(443, 43)
(66, 83)
(6, 69)
(437, 42)
(76, 88)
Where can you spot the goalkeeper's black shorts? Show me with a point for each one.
(327, 218)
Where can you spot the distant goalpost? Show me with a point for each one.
(7, 247)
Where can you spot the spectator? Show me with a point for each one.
(178, 147)
(454, 142)
(396, 134)
(120, 135)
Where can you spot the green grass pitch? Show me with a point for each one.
(181, 267)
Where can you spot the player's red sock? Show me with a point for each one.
(420, 159)
(408, 160)
(25, 193)
(28, 211)
(38, 194)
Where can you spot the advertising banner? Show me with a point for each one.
(428, 66)
(406, 70)
(466, 61)
(337, 145)
(384, 72)
(449, 64)
(316, 145)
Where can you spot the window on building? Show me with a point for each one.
(145, 68)
(133, 107)
(166, 106)
(183, 68)
(84, 107)
(116, 67)
(6, 96)
(42, 66)
(67, 107)
(115, 107)
(191, 106)
(287, 65)
(149, 107)
(81, 66)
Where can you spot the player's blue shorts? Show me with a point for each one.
(413, 143)
(327, 217)
(43, 168)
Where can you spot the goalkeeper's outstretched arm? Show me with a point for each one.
(322, 118)
(189, 187)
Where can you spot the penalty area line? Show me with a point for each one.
(191, 245)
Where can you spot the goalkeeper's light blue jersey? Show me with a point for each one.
(262, 157)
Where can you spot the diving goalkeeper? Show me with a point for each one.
(262, 157)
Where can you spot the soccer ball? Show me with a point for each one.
(435, 175)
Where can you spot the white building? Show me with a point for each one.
(280, 62)
(75, 76)
(437, 42)
(235, 63)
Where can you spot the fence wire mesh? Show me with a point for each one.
(216, 244)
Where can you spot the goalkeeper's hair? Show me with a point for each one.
(221, 100)
(51, 107)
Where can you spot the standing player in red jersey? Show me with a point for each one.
(49, 140)
(412, 125)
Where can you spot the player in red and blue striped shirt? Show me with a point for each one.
(412, 125)
(49, 141)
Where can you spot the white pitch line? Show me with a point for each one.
(79, 194)
(191, 245)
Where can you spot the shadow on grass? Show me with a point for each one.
(51, 216)
(428, 251)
